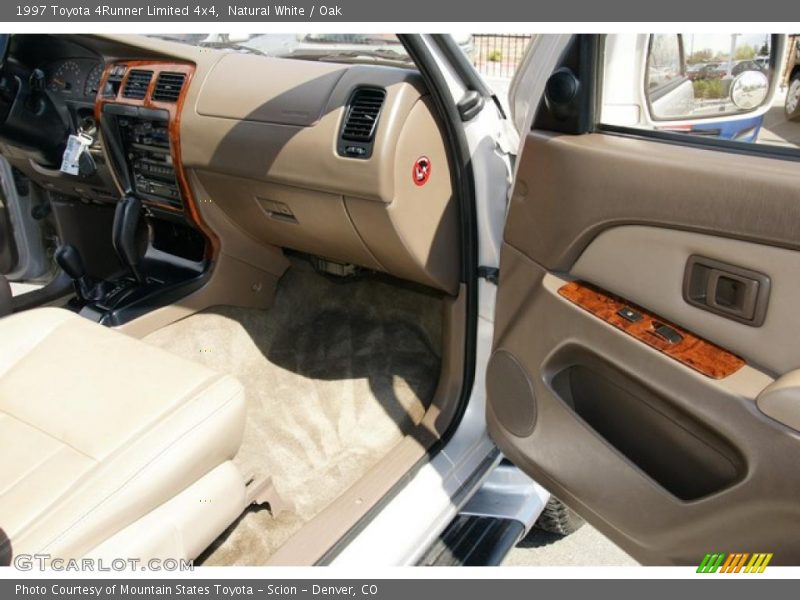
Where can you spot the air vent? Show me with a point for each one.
(362, 115)
(114, 81)
(136, 84)
(168, 87)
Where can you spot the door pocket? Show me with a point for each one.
(676, 451)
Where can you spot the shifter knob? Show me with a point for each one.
(69, 259)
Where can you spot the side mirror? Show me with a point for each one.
(692, 82)
(749, 90)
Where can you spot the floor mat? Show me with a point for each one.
(336, 373)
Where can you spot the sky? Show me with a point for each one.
(720, 42)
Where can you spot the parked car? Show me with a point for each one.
(746, 65)
(693, 70)
(791, 78)
(708, 71)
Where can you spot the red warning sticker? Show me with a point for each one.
(422, 170)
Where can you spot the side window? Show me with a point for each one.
(735, 87)
(496, 57)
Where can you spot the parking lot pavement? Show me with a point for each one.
(776, 129)
(586, 547)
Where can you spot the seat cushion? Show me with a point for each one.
(97, 429)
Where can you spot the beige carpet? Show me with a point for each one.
(336, 372)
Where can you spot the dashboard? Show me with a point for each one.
(315, 157)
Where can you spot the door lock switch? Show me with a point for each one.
(629, 314)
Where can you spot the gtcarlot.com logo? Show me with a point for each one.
(39, 562)
(736, 562)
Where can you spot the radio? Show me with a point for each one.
(147, 149)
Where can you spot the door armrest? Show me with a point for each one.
(780, 400)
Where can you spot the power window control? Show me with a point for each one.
(667, 333)
(629, 314)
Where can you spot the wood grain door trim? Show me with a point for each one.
(692, 351)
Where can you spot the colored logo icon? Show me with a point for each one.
(422, 170)
(737, 562)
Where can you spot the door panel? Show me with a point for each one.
(669, 462)
(569, 188)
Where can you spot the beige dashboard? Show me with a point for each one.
(259, 138)
(258, 145)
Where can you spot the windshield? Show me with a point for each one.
(334, 47)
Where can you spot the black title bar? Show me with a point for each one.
(441, 11)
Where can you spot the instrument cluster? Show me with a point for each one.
(77, 78)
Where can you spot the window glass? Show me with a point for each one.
(495, 56)
(370, 48)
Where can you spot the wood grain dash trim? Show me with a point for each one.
(692, 351)
(191, 210)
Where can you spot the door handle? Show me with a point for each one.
(731, 293)
(727, 290)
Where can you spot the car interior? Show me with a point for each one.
(255, 313)
(252, 319)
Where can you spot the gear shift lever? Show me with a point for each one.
(69, 259)
(123, 234)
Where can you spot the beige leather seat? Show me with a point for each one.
(111, 447)
(5, 297)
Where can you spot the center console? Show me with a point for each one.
(146, 144)
(157, 231)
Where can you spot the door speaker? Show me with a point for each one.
(510, 391)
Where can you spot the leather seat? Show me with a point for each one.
(5, 297)
(111, 447)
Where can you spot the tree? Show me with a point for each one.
(700, 56)
(745, 52)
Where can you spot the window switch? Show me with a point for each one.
(629, 314)
(667, 333)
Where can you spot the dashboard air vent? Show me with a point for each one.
(168, 86)
(136, 84)
(362, 115)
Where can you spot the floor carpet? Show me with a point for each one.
(336, 373)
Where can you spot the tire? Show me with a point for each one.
(792, 105)
(558, 518)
